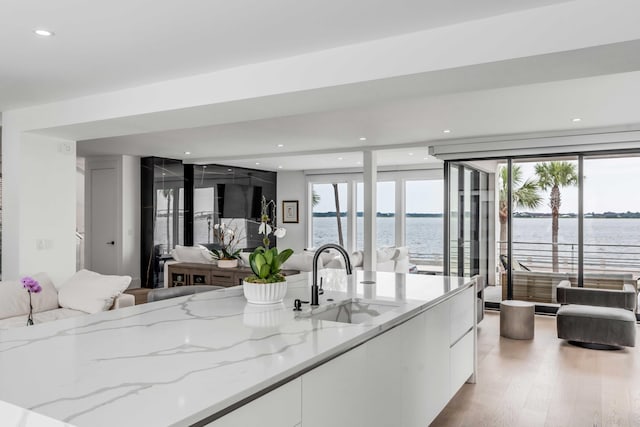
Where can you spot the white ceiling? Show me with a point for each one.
(104, 46)
(107, 45)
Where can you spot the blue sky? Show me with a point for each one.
(611, 184)
(422, 197)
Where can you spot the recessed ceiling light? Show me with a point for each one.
(229, 170)
(340, 158)
(363, 138)
(280, 167)
(187, 152)
(576, 120)
(42, 32)
(257, 163)
(280, 145)
(411, 154)
(446, 131)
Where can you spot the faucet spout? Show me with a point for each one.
(316, 256)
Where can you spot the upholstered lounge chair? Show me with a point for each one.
(597, 316)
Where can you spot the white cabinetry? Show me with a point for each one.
(280, 407)
(405, 376)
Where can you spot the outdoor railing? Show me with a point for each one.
(598, 258)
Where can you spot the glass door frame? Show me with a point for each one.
(479, 235)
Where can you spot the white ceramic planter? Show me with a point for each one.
(264, 293)
(227, 263)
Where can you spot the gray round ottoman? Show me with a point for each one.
(516, 319)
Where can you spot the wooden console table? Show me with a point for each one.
(186, 274)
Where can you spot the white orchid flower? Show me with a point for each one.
(264, 228)
(280, 232)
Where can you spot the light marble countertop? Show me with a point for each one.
(179, 361)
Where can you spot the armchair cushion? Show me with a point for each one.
(624, 298)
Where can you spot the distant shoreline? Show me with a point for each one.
(607, 215)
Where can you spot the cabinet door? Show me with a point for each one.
(415, 372)
(223, 277)
(462, 314)
(278, 408)
(334, 393)
(382, 384)
(437, 359)
(461, 362)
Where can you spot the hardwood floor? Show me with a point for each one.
(546, 382)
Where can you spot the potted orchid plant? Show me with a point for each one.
(267, 285)
(227, 237)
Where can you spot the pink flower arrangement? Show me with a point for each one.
(33, 287)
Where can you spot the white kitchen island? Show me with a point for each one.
(212, 359)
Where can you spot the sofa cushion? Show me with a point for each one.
(45, 316)
(197, 254)
(14, 300)
(401, 253)
(91, 292)
(385, 254)
(302, 262)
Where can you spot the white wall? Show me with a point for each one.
(292, 186)
(131, 218)
(39, 215)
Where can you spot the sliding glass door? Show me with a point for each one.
(467, 221)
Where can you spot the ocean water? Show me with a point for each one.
(605, 238)
(424, 235)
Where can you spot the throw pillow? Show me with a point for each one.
(91, 292)
(14, 298)
(47, 298)
(357, 258)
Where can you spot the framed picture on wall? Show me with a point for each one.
(290, 211)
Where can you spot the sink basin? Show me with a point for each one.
(351, 311)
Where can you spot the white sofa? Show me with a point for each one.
(86, 292)
(391, 259)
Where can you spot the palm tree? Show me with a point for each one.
(315, 198)
(554, 175)
(525, 196)
(337, 199)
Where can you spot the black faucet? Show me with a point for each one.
(347, 265)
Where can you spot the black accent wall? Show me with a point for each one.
(181, 203)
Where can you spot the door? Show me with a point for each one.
(103, 238)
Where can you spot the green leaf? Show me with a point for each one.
(268, 256)
(264, 271)
(284, 255)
